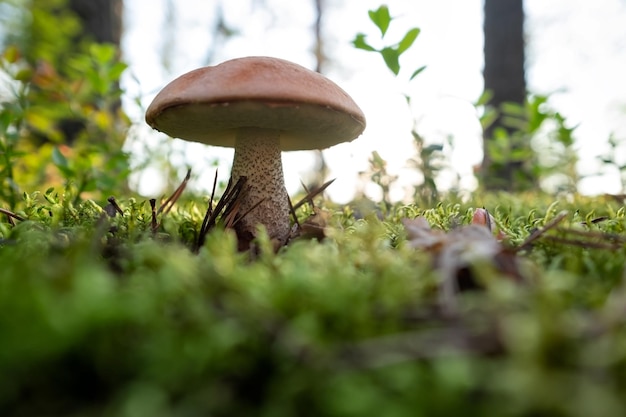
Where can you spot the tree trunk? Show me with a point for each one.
(505, 79)
(101, 19)
(101, 22)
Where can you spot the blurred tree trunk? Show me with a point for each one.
(101, 19)
(504, 77)
(101, 22)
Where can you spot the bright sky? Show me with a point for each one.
(576, 49)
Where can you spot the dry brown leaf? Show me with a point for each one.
(455, 252)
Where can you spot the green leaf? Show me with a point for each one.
(381, 18)
(408, 40)
(360, 43)
(103, 53)
(390, 55)
(23, 75)
(61, 162)
(116, 70)
(484, 98)
(11, 54)
(435, 147)
(417, 71)
(58, 158)
(513, 109)
(488, 118)
(515, 123)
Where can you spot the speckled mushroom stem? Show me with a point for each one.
(257, 156)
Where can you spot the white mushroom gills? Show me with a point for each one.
(258, 158)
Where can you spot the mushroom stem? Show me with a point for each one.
(258, 158)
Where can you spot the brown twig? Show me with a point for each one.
(209, 219)
(539, 232)
(311, 194)
(237, 219)
(596, 220)
(588, 238)
(228, 204)
(154, 225)
(594, 234)
(169, 203)
(213, 193)
(293, 213)
(231, 199)
(583, 243)
(11, 215)
(116, 207)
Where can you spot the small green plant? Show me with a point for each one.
(429, 158)
(73, 122)
(613, 162)
(379, 175)
(551, 159)
(390, 53)
(12, 110)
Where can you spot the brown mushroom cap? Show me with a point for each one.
(209, 104)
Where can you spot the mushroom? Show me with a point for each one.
(260, 106)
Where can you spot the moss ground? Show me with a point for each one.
(103, 316)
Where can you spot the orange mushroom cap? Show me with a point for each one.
(209, 104)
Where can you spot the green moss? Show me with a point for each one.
(103, 316)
